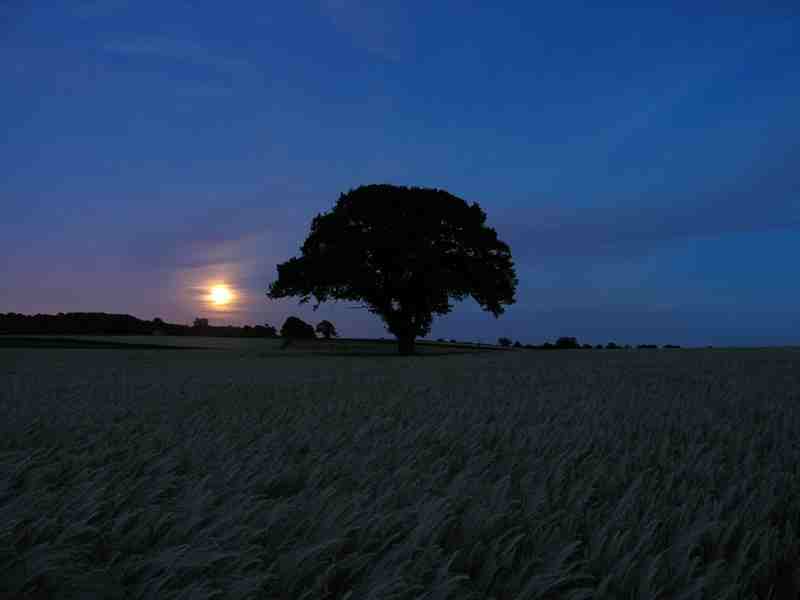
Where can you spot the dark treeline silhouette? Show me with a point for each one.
(571, 343)
(112, 324)
(293, 328)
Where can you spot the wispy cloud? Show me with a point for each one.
(178, 50)
(763, 198)
(93, 9)
(374, 25)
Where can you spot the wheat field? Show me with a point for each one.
(246, 472)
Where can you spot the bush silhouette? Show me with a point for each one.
(504, 342)
(326, 329)
(297, 329)
(567, 342)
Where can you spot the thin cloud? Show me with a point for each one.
(99, 8)
(177, 50)
(375, 26)
(763, 198)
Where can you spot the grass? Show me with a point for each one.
(230, 474)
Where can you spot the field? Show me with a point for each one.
(346, 471)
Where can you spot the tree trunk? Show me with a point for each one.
(406, 344)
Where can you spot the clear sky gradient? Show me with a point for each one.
(643, 163)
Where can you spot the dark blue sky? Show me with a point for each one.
(643, 163)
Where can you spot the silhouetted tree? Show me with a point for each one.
(326, 329)
(404, 252)
(567, 342)
(587, 346)
(201, 323)
(648, 346)
(295, 328)
(670, 346)
(453, 341)
(548, 346)
(504, 342)
(440, 340)
(612, 346)
(517, 344)
(599, 347)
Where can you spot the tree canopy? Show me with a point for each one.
(404, 252)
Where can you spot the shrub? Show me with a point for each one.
(567, 342)
(298, 329)
(504, 342)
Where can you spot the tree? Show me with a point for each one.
(517, 344)
(200, 323)
(504, 342)
(567, 342)
(404, 252)
(294, 328)
(326, 329)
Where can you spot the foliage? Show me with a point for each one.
(296, 328)
(504, 342)
(404, 252)
(567, 342)
(326, 329)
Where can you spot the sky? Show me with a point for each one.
(642, 162)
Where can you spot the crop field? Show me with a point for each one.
(339, 470)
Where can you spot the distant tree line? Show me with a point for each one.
(113, 324)
(562, 343)
(293, 328)
(571, 343)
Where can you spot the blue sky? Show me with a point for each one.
(642, 163)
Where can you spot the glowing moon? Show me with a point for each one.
(221, 295)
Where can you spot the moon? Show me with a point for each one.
(221, 295)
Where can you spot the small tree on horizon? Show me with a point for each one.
(295, 328)
(504, 342)
(326, 329)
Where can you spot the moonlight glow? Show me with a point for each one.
(221, 295)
